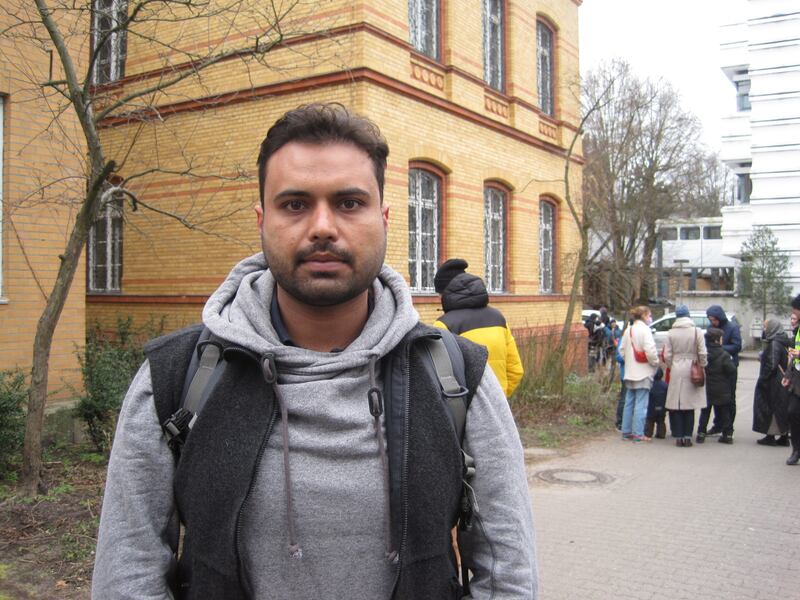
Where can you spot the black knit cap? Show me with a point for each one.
(449, 269)
(795, 301)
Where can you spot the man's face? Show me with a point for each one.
(323, 227)
(714, 321)
(795, 317)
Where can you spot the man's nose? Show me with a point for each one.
(323, 222)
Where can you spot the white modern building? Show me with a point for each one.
(761, 136)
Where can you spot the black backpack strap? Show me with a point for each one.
(204, 369)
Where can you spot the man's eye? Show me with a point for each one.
(349, 203)
(295, 205)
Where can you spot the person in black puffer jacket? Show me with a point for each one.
(466, 312)
(720, 378)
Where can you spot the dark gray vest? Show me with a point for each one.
(218, 463)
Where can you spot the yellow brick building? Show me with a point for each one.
(477, 99)
(41, 176)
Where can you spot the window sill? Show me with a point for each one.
(3, 300)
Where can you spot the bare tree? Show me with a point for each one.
(642, 164)
(183, 40)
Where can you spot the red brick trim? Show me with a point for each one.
(340, 78)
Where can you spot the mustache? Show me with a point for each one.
(326, 247)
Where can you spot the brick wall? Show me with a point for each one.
(435, 112)
(42, 178)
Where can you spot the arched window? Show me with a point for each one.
(547, 246)
(424, 206)
(108, 40)
(493, 44)
(494, 235)
(104, 254)
(545, 45)
(423, 26)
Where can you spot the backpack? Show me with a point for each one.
(443, 354)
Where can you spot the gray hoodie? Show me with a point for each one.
(335, 467)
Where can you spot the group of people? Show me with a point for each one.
(604, 335)
(701, 374)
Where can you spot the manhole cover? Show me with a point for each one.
(574, 477)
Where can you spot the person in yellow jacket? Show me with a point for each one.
(466, 312)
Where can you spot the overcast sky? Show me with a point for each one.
(677, 41)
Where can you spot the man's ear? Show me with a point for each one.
(385, 215)
(259, 215)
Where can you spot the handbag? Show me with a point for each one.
(697, 374)
(639, 356)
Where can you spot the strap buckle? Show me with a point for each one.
(177, 428)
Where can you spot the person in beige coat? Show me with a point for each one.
(639, 374)
(685, 342)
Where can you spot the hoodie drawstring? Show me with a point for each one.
(375, 399)
(271, 377)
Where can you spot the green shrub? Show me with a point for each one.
(108, 364)
(13, 396)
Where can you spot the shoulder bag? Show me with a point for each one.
(639, 355)
(697, 373)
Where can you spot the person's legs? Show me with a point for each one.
(676, 426)
(703, 424)
(640, 411)
(627, 413)
(794, 430)
(726, 423)
(661, 426)
(620, 405)
(688, 427)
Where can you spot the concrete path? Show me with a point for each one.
(658, 522)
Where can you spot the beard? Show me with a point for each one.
(324, 288)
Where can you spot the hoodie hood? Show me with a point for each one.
(716, 311)
(238, 312)
(773, 329)
(465, 291)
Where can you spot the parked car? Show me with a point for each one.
(661, 327)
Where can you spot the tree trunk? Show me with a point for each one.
(43, 342)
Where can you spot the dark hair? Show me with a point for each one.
(321, 124)
(714, 335)
(796, 302)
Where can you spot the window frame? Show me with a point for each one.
(546, 89)
(112, 216)
(690, 229)
(553, 206)
(416, 276)
(114, 48)
(502, 194)
(416, 14)
(671, 236)
(716, 229)
(494, 49)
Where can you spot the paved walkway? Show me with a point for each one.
(710, 522)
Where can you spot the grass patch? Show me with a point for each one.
(551, 412)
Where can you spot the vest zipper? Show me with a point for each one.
(404, 476)
(238, 529)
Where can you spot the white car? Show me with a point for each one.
(661, 327)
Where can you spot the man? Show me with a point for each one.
(791, 380)
(732, 344)
(294, 481)
(466, 313)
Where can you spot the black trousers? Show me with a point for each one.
(794, 421)
(681, 423)
(723, 418)
(732, 409)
